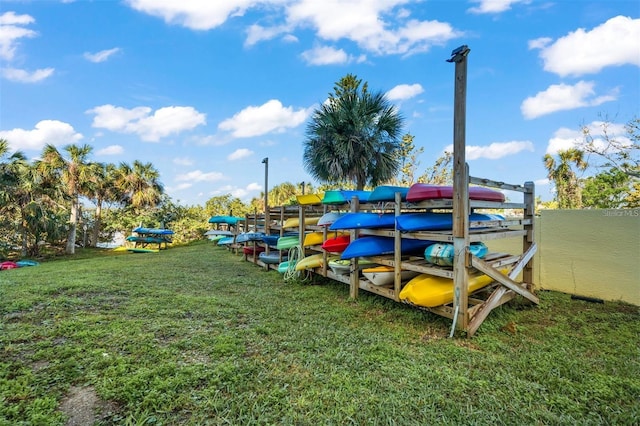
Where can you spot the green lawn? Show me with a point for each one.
(195, 335)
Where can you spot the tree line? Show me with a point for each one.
(354, 141)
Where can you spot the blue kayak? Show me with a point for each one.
(229, 220)
(436, 221)
(377, 246)
(343, 196)
(154, 231)
(360, 220)
(388, 193)
(442, 253)
(249, 236)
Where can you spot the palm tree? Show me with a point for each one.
(103, 189)
(139, 185)
(354, 137)
(74, 173)
(568, 191)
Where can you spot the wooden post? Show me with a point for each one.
(460, 190)
(529, 238)
(397, 258)
(354, 276)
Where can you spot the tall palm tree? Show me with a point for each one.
(568, 191)
(139, 185)
(103, 189)
(74, 173)
(354, 137)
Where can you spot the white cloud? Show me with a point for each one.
(102, 55)
(200, 176)
(362, 21)
(52, 132)
(325, 55)
(239, 154)
(561, 97)
(111, 150)
(614, 43)
(495, 150)
(404, 91)
(372, 24)
(23, 76)
(149, 127)
(11, 30)
(183, 161)
(253, 186)
(542, 182)
(494, 6)
(269, 117)
(197, 15)
(565, 138)
(180, 187)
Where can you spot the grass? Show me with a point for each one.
(194, 335)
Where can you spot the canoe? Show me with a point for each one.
(26, 262)
(154, 231)
(336, 244)
(377, 246)
(317, 238)
(294, 222)
(272, 258)
(216, 238)
(219, 232)
(329, 218)
(436, 221)
(252, 249)
(343, 266)
(142, 250)
(249, 236)
(309, 199)
(430, 291)
(8, 264)
(359, 220)
(388, 193)
(229, 220)
(310, 262)
(343, 196)
(442, 253)
(285, 243)
(226, 241)
(148, 240)
(284, 266)
(385, 275)
(424, 191)
(270, 240)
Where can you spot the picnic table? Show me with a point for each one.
(150, 236)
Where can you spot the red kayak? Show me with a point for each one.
(251, 250)
(336, 244)
(424, 191)
(8, 265)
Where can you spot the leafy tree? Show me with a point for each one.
(103, 190)
(355, 136)
(227, 204)
(139, 185)
(606, 190)
(618, 152)
(561, 173)
(441, 173)
(74, 173)
(408, 155)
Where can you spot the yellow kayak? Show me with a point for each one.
(430, 290)
(311, 262)
(317, 238)
(309, 199)
(294, 222)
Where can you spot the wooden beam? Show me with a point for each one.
(506, 281)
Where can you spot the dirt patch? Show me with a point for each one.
(83, 407)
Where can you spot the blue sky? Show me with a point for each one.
(206, 89)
